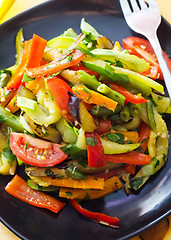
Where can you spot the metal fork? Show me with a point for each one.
(145, 18)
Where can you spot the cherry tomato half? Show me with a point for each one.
(36, 152)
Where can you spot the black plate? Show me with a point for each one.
(136, 212)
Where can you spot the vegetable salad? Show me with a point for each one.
(83, 117)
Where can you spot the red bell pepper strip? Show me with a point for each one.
(128, 95)
(144, 132)
(56, 65)
(96, 216)
(79, 66)
(130, 168)
(130, 157)
(18, 188)
(59, 90)
(95, 150)
(32, 57)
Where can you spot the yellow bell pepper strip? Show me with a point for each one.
(98, 217)
(90, 96)
(18, 188)
(110, 185)
(90, 182)
(56, 65)
(32, 56)
(95, 150)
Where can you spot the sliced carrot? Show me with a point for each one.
(90, 96)
(56, 65)
(110, 185)
(16, 79)
(18, 188)
(89, 183)
(32, 56)
(35, 85)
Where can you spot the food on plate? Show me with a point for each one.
(82, 117)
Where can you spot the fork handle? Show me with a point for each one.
(162, 62)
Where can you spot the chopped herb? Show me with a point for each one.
(26, 145)
(91, 141)
(129, 142)
(50, 173)
(118, 63)
(50, 95)
(136, 183)
(115, 137)
(2, 119)
(27, 78)
(68, 194)
(8, 154)
(157, 163)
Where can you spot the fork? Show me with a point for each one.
(145, 19)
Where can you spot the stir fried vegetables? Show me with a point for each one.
(83, 118)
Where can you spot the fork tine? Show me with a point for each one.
(134, 5)
(142, 4)
(125, 7)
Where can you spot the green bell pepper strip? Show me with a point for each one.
(19, 42)
(123, 76)
(10, 120)
(70, 33)
(94, 84)
(128, 61)
(19, 45)
(86, 28)
(159, 144)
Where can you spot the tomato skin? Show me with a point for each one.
(143, 49)
(59, 90)
(18, 188)
(36, 152)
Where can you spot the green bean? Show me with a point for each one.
(94, 84)
(10, 119)
(125, 113)
(135, 109)
(150, 115)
